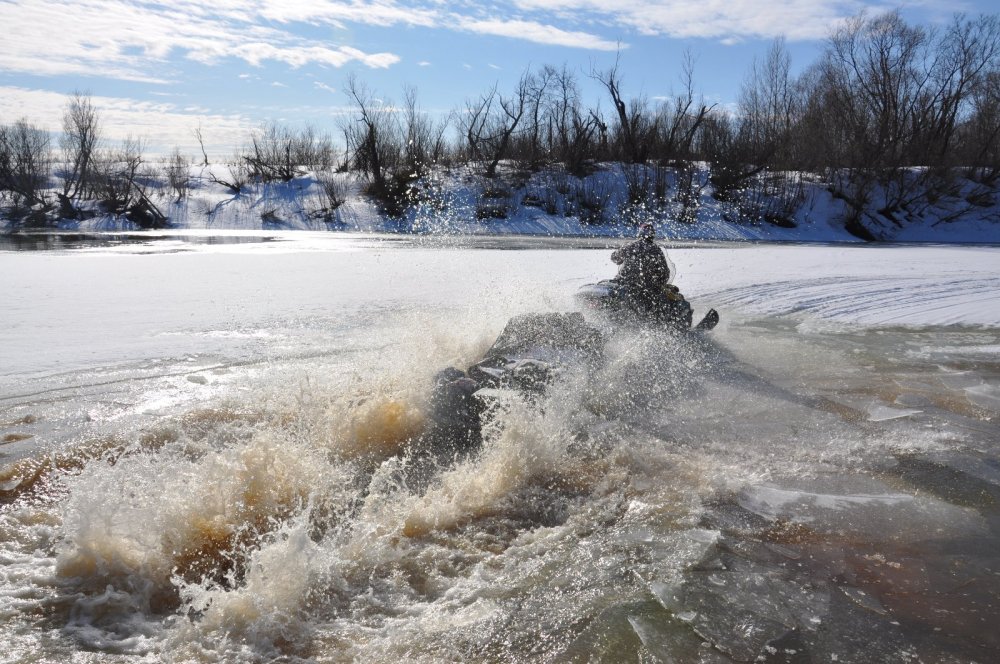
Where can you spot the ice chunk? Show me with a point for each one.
(882, 413)
(876, 514)
(984, 395)
(744, 607)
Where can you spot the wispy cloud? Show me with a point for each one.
(149, 40)
(140, 40)
(714, 19)
(135, 40)
(162, 125)
(533, 31)
(383, 13)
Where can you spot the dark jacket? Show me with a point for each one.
(643, 265)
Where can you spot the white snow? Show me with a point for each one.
(861, 286)
(66, 309)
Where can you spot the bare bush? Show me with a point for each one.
(276, 153)
(332, 193)
(424, 142)
(178, 171)
(25, 162)
(120, 182)
(545, 194)
(494, 199)
(588, 201)
(115, 173)
(689, 188)
(771, 197)
(638, 184)
(236, 176)
(270, 154)
(313, 150)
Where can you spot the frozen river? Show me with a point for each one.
(205, 442)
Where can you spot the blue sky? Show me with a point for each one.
(159, 69)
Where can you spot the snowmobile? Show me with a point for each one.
(528, 356)
(625, 306)
(531, 353)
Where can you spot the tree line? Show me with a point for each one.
(892, 118)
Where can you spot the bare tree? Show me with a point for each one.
(201, 144)
(875, 71)
(418, 144)
(563, 109)
(473, 123)
(536, 89)
(888, 97)
(25, 161)
(490, 122)
(681, 121)
(80, 140)
(634, 126)
(980, 134)
(758, 136)
(374, 138)
(967, 51)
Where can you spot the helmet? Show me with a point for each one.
(647, 231)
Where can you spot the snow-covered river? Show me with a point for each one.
(205, 446)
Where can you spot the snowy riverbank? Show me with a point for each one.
(548, 203)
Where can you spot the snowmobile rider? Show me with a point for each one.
(643, 268)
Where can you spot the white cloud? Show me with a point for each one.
(134, 40)
(139, 40)
(378, 12)
(534, 32)
(323, 86)
(423, 63)
(714, 19)
(161, 125)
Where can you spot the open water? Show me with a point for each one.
(206, 459)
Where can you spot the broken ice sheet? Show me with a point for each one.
(881, 413)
